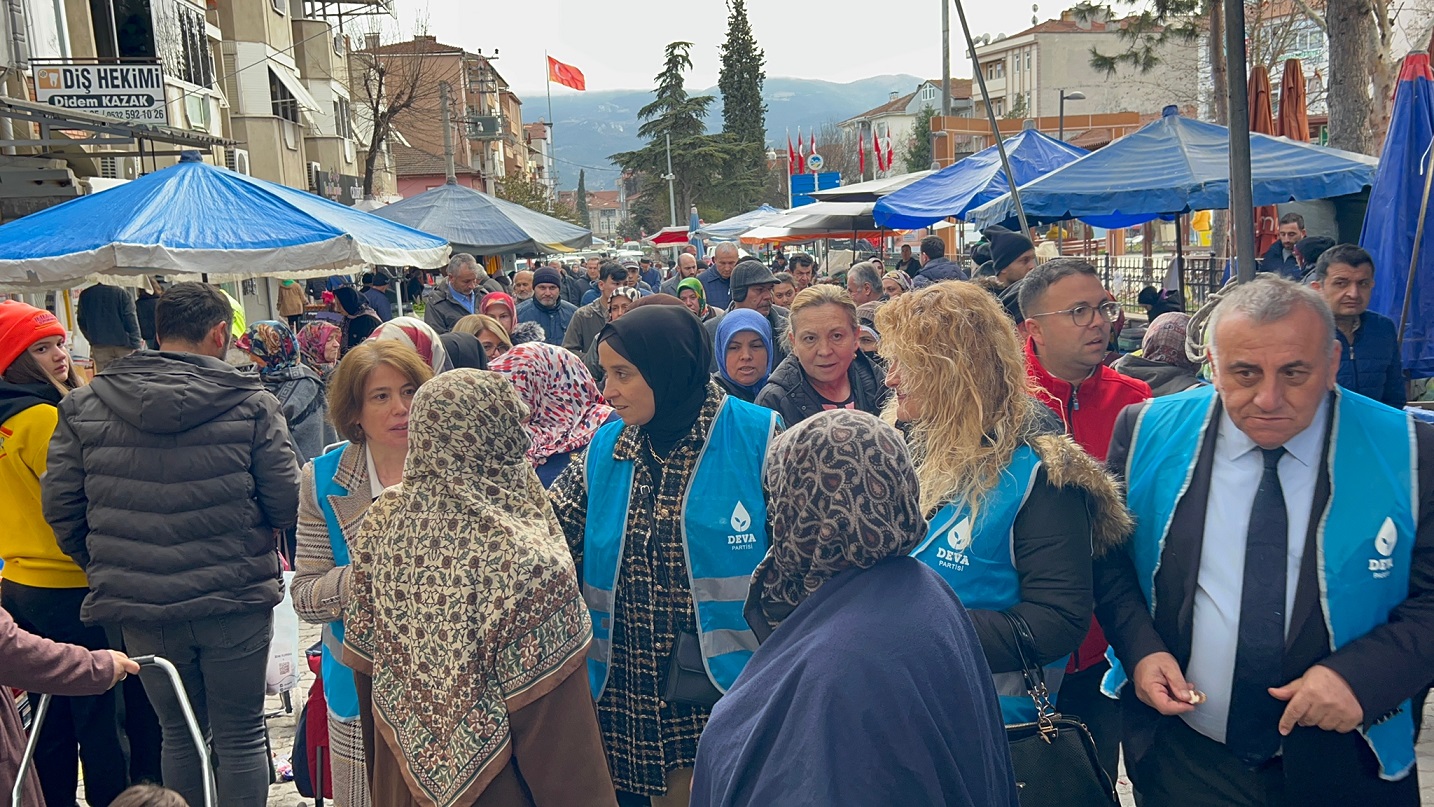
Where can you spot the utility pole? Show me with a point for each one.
(671, 194)
(945, 59)
(450, 176)
(1242, 203)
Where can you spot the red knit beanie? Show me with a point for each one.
(21, 326)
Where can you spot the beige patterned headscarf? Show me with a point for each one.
(464, 605)
(842, 494)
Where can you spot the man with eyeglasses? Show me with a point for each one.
(1068, 322)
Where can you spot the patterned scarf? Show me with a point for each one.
(464, 602)
(314, 340)
(272, 342)
(418, 335)
(1165, 341)
(842, 494)
(567, 408)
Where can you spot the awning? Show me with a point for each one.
(295, 87)
(108, 131)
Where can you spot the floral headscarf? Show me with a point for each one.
(567, 408)
(843, 495)
(472, 580)
(418, 335)
(274, 343)
(313, 340)
(498, 297)
(900, 278)
(1165, 341)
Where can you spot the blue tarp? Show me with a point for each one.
(729, 229)
(957, 189)
(194, 218)
(1394, 202)
(475, 222)
(1176, 165)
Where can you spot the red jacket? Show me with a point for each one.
(1088, 412)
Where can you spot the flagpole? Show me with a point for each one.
(789, 169)
(552, 150)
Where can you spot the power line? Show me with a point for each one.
(588, 167)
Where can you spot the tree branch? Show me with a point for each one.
(1314, 16)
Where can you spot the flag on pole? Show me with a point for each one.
(861, 153)
(890, 153)
(791, 154)
(801, 152)
(566, 75)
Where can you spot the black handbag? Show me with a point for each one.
(686, 677)
(1054, 758)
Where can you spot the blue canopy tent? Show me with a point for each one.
(473, 221)
(957, 189)
(193, 220)
(694, 224)
(1176, 165)
(729, 229)
(1399, 228)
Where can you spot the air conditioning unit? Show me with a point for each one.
(237, 160)
(119, 167)
(314, 171)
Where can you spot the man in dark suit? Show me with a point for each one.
(1275, 609)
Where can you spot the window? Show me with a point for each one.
(278, 5)
(343, 119)
(1028, 61)
(170, 31)
(928, 94)
(1016, 68)
(283, 102)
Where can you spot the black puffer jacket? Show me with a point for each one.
(167, 477)
(790, 394)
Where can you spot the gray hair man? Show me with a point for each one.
(863, 283)
(457, 295)
(1297, 572)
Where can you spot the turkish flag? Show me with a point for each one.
(861, 153)
(791, 156)
(801, 152)
(566, 75)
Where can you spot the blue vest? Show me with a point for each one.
(724, 536)
(978, 562)
(1365, 535)
(340, 691)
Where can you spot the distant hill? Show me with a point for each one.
(590, 126)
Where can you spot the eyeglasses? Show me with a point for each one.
(1083, 315)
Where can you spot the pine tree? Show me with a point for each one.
(917, 156)
(744, 115)
(698, 159)
(581, 200)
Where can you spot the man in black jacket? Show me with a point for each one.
(935, 266)
(107, 317)
(1275, 609)
(1280, 258)
(168, 478)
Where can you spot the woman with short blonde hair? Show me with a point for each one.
(490, 332)
(1014, 507)
(369, 398)
(825, 369)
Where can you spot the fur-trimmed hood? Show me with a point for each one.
(1068, 465)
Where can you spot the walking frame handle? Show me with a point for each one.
(43, 707)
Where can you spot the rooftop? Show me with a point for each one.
(960, 91)
(409, 162)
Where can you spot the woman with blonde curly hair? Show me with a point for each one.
(1014, 510)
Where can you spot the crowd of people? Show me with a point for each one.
(735, 534)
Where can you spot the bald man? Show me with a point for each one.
(717, 280)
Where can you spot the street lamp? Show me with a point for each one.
(1075, 95)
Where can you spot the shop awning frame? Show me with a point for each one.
(108, 131)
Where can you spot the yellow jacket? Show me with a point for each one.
(27, 544)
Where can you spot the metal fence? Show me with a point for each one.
(1124, 277)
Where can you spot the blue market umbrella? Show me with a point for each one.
(1398, 224)
(473, 221)
(957, 189)
(1176, 165)
(195, 219)
(694, 224)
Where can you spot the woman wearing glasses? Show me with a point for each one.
(1069, 318)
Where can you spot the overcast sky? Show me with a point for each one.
(618, 44)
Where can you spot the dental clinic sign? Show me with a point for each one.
(128, 92)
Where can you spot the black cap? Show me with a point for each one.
(749, 273)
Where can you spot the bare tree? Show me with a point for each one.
(388, 80)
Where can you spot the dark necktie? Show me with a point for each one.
(1252, 728)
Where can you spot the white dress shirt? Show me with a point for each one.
(1235, 473)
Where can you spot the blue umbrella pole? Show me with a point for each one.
(1414, 255)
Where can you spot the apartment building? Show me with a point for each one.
(540, 154)
(1027, 73)
(486, 115)
(896, 118)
